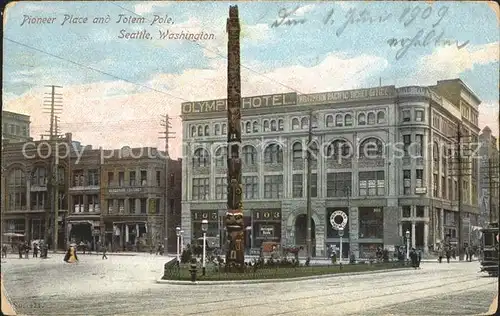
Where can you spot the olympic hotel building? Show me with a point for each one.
(382, 197)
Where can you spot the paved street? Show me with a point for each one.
(126, 285)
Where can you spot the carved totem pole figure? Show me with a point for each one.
(235, 226)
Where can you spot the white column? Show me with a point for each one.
(426, 237)
(136, 232)
(126, 233)
(400, 227)
(413, 239)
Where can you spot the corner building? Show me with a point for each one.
(383, 196)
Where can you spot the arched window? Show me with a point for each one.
(16, 196)
(304, 123)
(361, 119)
(274, 126)
(17, 178)
(200, 130)
(255, 127)
(338, 120)
(371, 118)
(207, 130)
(217, 129)
(329, 120)
(297, 153)
(224, 129)
(339, 149)
(249, 154)
(381, 117)
(193, 131)
(266, 126)
(348, 120)
(201, 158)
(248, 127)
(295, 123)
(40, 176)
(371, 148)
(281, 125)
(435, 154)
(273, 154)
(221, 156)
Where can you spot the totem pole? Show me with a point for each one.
(235, 227)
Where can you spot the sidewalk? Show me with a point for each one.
(7, 308)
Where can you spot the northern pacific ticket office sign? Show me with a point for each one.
(262, 101)
(347, 95)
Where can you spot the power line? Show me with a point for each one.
(94, 69)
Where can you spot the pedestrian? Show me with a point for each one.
(35, 250)
(104, 249)
(414, 258)
(419, 257)
(71, 256)
(20, 250)
(448, 255)
(4, 251)
(26, 250)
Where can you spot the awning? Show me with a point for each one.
(13, 235)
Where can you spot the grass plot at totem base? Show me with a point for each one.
(183, 273)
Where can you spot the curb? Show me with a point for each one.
(7, 307)
(283, 280)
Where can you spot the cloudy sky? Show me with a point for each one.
(116, 89)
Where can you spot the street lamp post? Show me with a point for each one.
(341, 234)
(407, 245)
(204, 228)
(178, 232)
(182, 241)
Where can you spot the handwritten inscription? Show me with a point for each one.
(285, 17)
(410, 15)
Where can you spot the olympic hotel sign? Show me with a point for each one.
(291, 98)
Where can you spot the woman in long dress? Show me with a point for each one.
(71, 256)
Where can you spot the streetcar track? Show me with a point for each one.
(311, 297)
(424, 298)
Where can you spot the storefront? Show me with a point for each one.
(214, 227)
(332, 235)
(371, 231)
(266, 226)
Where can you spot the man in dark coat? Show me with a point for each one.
(414, 258)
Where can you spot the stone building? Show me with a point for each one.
(26, 188)
(15, 127)
(489, 179)
(134, 197)
(376, 155)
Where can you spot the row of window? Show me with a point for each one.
(370, 118)
(118, 206)
(17, 200)
(276, 125)
(14, 129)
(443, 125)
(418, 115)
(338, 184)
(273, 153)
(17, 178)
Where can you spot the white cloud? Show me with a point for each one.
(488, 115)
(147, 7)
(450, 62)
(114, 114)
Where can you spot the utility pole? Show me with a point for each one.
(308, 188)
(168, 135)
(460, 171)
(460, 187)
(52, 104)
